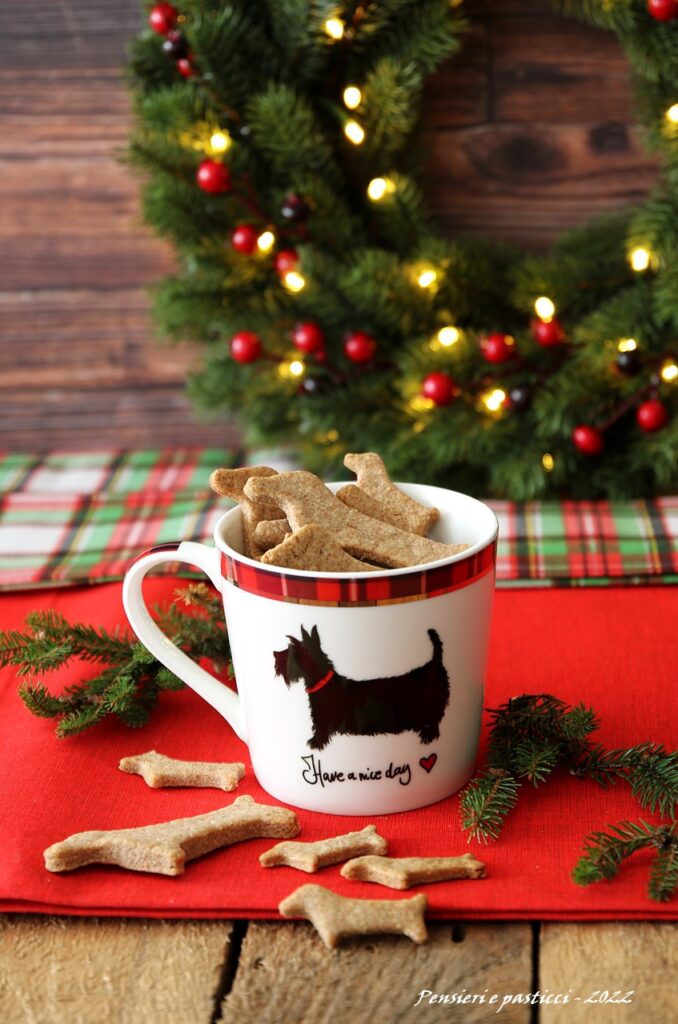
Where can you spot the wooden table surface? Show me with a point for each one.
(56, 970)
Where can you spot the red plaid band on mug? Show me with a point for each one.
(359, 591)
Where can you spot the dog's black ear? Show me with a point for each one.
(315, 636)
(304, 635)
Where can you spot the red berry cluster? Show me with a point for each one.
(163, 18)
(650, 416)
(309, 338)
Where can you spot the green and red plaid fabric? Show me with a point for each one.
(78, 517)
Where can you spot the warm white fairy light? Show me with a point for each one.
(627, 345)
(334, 27)
(672, 114)
(219, 142)
(427, 278)
(354, 132)
(548, 462)
(379, 188)
(265, 241)
(545, 308)
(448, 336)
(668, 371)
(352, 97)
(294, 281)
(640, 258)
(494, 400)
(421, 404)
(297, 368)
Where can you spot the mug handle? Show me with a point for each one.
(207, 686)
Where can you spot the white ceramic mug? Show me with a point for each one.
(357, 694)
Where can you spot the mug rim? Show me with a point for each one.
(489, 539)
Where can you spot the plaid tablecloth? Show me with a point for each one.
(76, 517)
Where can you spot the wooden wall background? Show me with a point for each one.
(530, 131)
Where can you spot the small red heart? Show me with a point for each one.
(428, 762)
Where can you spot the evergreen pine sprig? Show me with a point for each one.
(529, 737)
(532, 735)
(486, 801)
(129, 679)
(606, 851)
(650, 770)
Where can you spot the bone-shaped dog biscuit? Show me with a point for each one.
(311, 857)
(305, 500)
(230, 484)
(157, 770)
(311, 547)
(361, 501)
(164, 848)
(334, 917)
(404, 872)
(403, 511)
(271, 532)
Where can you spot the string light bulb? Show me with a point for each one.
(265, 241)
(421, 404)
(427, 278)
(672, 114)
(640, 258)
(379, 188)
(545, 308)
(219, 142)
(354, 132)
(294, 281)
(668, 371)
(297, 368)
(352, 97)
(448, 336)
(334, 28)
(548, 462)
(493, 400)
(627, 345)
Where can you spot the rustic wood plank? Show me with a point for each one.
(125, 417)
(592, 958)
(86, 970)
(81, 338)
(285, 973)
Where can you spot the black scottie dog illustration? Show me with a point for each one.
(365, 707)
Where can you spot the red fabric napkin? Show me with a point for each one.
(614, 649)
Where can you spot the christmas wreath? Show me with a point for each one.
(278, 141)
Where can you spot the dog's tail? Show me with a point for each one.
(437, 645)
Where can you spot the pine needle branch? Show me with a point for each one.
(486, 801)
(128, 679)
(605, 853)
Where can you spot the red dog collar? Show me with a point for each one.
(322, 682)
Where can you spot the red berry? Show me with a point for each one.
(360, 347)
(663, 10)
(588, 440)
(439, 387)
(214, 177)
(497, 347)
(547, 332)
(308, 338)
(286, 260)
(245, 347)
(162, 18)
(185, 68)
(244, 239)
(651, 415)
